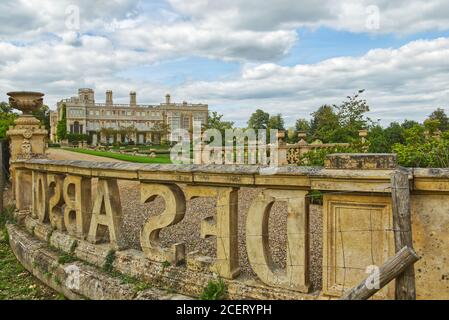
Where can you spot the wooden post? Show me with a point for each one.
(391, 269)
(402, 225)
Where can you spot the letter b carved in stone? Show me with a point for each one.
(77, 198)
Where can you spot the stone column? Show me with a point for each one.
(282, 149)
(28, 137)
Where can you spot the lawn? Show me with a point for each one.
(16, 283)
(161, 158)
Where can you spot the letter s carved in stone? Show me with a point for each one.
(175, 207)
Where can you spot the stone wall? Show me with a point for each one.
(69, 201)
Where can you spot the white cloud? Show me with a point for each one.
(409, 81)
(38, 52)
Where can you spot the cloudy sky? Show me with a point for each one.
(286, 56)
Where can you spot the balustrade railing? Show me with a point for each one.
(84, 201)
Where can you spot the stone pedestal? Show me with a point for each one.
(28, 137)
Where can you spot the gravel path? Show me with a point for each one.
(188, 230)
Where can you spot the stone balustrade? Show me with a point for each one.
(357, 221)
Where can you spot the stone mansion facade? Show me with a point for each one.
(144, 123)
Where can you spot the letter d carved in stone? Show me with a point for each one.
(77, 198)
(296, 275)
(175, 208)
(107, 214)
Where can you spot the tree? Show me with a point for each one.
(7, 118)
(301, 125)
(43, 115)
(276, 122)
(5, 107)
(382, 140)
(259, 120)
(108, 133)
(351, 116)
(441, 116)
(61, 127)
(214, 122)
(324, 124)
(407, 124)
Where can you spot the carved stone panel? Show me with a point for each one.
(357, 233)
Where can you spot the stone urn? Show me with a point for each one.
(26, 101)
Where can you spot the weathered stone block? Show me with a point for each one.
(361, 161)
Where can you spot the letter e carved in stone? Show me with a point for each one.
(77, 198)
(225, 229)
(175, 207)
(107, 214)
(296, 275)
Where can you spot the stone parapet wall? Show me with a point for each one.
(357, 228)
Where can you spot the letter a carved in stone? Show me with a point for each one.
(107, 214)
(225, 229)
(77, 198)
(175, 207)
(296, 275)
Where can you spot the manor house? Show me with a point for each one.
(125, 122)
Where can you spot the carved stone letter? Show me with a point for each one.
(23, 189)
(77, 198)
(296, 275)
(56, 201)
(225, 229)
(107, 214)
(175, 207)
(40, 197)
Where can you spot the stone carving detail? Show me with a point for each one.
(225, 229)
(293, 155)
(174, 212)
(77, 198)
(296, 274)
(107, 214)
(26, 148)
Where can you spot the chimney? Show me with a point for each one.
(167, 99)
(109, 101)
(132, 99)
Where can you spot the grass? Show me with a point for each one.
(215, 290)
(16, 283)
(161, 158)
(109, 262)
